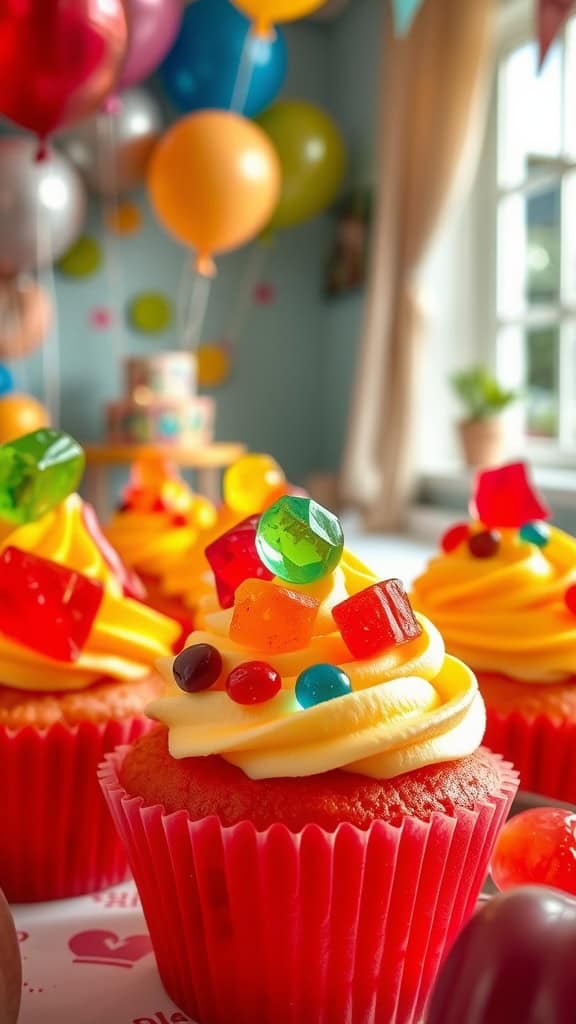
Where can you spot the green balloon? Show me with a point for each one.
(313, 159)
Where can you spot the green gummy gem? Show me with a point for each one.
(299, 540)
(37, 472)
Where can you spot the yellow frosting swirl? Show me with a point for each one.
(154, 543)
(126, 638)
(506, 613)
(410, 706)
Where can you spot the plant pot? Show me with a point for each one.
(482, 441)
(10, 967)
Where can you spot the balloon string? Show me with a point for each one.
(240, 309)
(192, 307)
(244, 74)
(51, 347)
(106, 133)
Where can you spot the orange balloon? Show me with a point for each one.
(265, 12)
(20, 414)
(214, 181)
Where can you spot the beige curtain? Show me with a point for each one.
(434, 89)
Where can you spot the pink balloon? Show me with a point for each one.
(153, 26)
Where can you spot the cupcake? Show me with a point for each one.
(158, 520)
(77, 669)
(312, 820)
(502, 591)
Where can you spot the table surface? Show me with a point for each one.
(221, 453)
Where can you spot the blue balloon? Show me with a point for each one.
(207, 65)
(6, 380)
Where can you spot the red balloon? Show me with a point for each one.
(58, 59)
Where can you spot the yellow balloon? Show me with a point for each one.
(312, 156)
(214, 181)
(252, 482)
(265, 12)
(20, 414)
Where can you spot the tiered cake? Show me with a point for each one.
(161, 404)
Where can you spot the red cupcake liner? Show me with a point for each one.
(542, 749)
(314, 927)
(56, 835)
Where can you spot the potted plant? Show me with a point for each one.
(482, 432)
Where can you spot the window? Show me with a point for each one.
(536, 239)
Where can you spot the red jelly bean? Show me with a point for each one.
(376, 619)
(485, 544)
(537, 847)
(197, 668)
(253, 682)
(46, 606)
(504, 497)
(454, 537)
(570, 599)
(233, 559)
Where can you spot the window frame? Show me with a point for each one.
(514, 28)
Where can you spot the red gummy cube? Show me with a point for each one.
(376, 619)
(272, 618)
(46, 606)
(504, 497)
(233, 558)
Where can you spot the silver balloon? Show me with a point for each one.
(112, 150)
(42, 206)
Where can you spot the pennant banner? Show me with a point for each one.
(551, 17)
(404, 13)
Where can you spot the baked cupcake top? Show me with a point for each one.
(68, 609)
(313, 663)
(501, 589)
(159, 518)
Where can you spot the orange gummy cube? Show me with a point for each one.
(271, 618)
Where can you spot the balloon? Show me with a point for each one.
(205, 66)
(10, 967)
(112, 150)
(25, 318)
(6, 381)
(39, 203)
(153, 27)
(265, 12)
(20, 414)
(214, 182)
(58, 59)
(313, 159)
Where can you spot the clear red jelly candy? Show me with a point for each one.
(537, 847)
(504, 497)
(454, 537)
(253, 682)
(233, 558)
(376, 619)
(570, 599)
(45, 606)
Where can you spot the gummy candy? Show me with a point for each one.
(249, 484)
(233, 558)
(504, 497)
(570, 599)
(37, 472)
(197, 667)
(537, 847)
(485, 544)
(271, 617)
(535, 533)
(376, 619)
(299, 540)
(253, 682)
(46, 606)
(454, 537)
(320, 683)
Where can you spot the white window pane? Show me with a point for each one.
(542, 381)
(511, 257)
(530, 113)
(543, 238)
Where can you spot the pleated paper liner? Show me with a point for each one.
(56, 835)
(542, 749)
(315, 927)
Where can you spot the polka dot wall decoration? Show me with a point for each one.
(100, 318)
(83, 259)
(150, 312)
(124, 219)
(213, 364)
